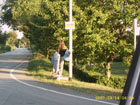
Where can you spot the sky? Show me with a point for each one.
(2, 1)
(5, 28)
(20, 34)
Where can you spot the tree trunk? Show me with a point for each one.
(75, 62)
(47, 53)
(108, 72)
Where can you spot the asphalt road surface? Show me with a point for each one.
(16, 88)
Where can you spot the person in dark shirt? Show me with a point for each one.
(61, 50)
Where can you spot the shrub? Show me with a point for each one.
(37, 65)
(112, 82)
(8, 48)
(4, 48)
(79, 73)
(38, 56)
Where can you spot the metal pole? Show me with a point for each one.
(70, 40)
(70, 10)
(135, 28)
(136, 73)
(133, 84)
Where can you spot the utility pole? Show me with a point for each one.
(70, 41)
(70, 25)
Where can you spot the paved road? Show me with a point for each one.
(18, 89)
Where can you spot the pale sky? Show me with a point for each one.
(5, 28)
(1, 1)
(20, 34)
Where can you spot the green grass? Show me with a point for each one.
(118, 69)
(42, 69)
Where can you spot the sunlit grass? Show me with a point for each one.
(42, 69)
(118, 69)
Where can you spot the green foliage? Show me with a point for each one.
(23, 42)
(7, 48)
(11, 40)
(41, 67)
(91, 74)
(100, 35)
(112, 82)
(83, 76)
(40, 21)
(4, 48)
(3, 38)
(127, 60)
(38, 56)
(7, 41)
(37, 65)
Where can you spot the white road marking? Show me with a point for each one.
(53, 91)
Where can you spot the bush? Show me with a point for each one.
(8, 48)
(36, 65)
(4, 48)
(38, 56)
(112, 82)
(79, 73)
(82, 75)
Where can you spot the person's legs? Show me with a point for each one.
(61, 67)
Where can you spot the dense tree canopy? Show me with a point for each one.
(8, 41)
(101, 26)
(23, 42)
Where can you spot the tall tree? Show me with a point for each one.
(101, 26)
(11, 39)
(102, 30)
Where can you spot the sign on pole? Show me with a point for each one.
(136, 32)
(136, 28)
(69, 25)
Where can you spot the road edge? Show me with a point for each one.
(53, 91)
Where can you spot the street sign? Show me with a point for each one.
(136, 28)
(69, 25)
(137, 31)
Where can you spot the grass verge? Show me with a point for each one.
(42, 70)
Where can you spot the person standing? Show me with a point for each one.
(61, 50)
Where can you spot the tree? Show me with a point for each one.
(11, 40)
(23, 42)
(102, 31)
(40, 21)
(8, 41)
(100, 35)
(3, 38)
